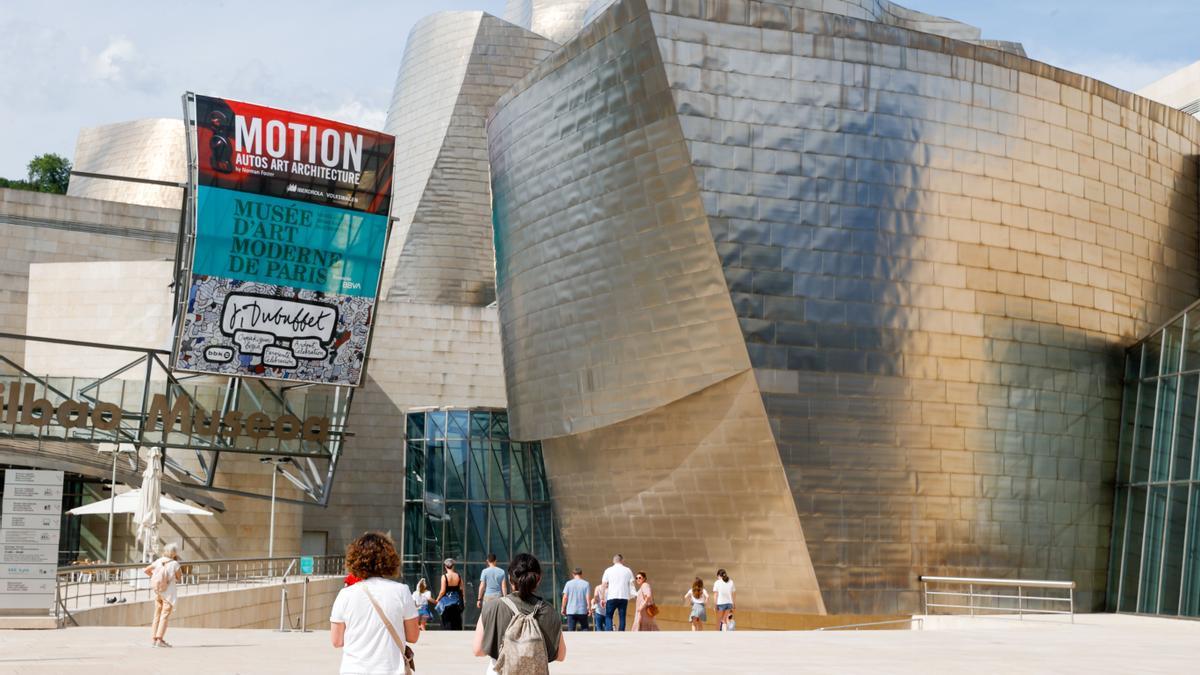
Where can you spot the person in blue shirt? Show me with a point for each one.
(493, 583)
(575, 602)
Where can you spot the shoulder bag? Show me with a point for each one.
(410, 664)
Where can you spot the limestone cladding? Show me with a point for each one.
(935, 252)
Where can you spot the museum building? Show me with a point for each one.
(832, 294)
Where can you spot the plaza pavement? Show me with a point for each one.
(1095, 644)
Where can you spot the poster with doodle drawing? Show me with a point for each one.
(290, 222)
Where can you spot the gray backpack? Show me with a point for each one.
(523, 651)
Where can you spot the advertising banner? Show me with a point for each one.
(291, 222)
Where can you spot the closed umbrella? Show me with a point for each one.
(149, 511)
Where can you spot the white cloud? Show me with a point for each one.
(354, 112)
(120, 64)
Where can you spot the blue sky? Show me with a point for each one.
(69, 64)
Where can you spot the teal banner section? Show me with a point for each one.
(253, 237)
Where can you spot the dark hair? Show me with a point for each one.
(372, 555)
(579, 571)
(642, 574)
(524, 573)
(697, 587)
(491, 557)
(724, 577)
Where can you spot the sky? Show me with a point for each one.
(68, 64)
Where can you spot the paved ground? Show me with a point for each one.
(1095, 644)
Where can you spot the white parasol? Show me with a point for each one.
(128, 502)
(149, 510)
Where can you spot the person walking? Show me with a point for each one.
(723, 594)
(618, 585)
(423, 598)
(599, 619)
(492, 582)
(697, 597)
(575, 602)
(375, 620)
(164, 573)
(523, 612)
(645, 610)
(450, 597)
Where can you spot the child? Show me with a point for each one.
(423, 598)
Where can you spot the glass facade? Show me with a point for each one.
(470, 490)
(1155, 563)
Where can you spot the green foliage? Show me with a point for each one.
(50, 173)
(47, 173)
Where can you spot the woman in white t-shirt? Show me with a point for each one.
(724, 595)
(164, 601)
(372, 620)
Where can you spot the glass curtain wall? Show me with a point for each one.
(1155, 564)
(470, 490)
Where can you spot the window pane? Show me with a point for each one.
(498, 532)
(416, 425)
(476, 532)
(518, 482)
(1153, 354)
(500, 425)
(433, 530)
(543, 538)
(1191, 559)
(1173, 551)
(522, 529)
(1191, 345)
(1152, 550)
(414, 484)
(456, 469)
(480, 422)
(1143, 431)
(1133, 550)
(456, 521)
(1173, 341)
(1128, 417)
(498, 472)
(414, 521)
(435, 469)
(539, 486)
(1164, 429)
(477, 474)
(457, 427)
(1185, 427)
(1118, 541)
(435, 425)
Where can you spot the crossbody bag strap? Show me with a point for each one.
(383, 617)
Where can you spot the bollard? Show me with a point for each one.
(304, 609)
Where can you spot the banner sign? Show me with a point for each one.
(29, 532)
(291, 221)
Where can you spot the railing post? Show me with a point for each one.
(925, 588)
(971, 598)
(304, 609)
(1072, 598)
(1020, 605)
(282, 608)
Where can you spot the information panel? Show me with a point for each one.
(291, 222)
(30, 515)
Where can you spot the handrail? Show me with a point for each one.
(916, 619)
(1000, 602)
(139, 565)
(1031, 583)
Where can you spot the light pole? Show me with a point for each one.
(275, 463)
(112, 502)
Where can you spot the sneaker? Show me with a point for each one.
(163, 643)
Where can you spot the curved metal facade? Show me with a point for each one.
(153, 149)
(557, 20)
(934, 251)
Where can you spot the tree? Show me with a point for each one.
(49, 173)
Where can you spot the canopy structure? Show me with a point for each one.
(128, 502)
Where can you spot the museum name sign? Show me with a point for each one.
(24, 407)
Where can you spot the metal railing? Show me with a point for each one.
(978, 601)
(916, 620)
(86, 586)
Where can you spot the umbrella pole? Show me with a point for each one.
(112, 502)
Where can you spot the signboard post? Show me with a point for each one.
(29, 529)
(290, 216)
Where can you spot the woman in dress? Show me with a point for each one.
(697, 598)
(423, 598)
(452, 593)
(642, 619)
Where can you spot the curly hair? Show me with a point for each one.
(372, 555)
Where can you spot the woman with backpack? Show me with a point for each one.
(450, 601)
(374, 620)
(164, 573)
(521, 633)
(646, 610)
